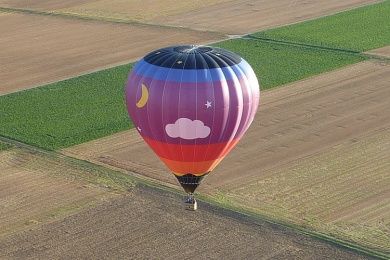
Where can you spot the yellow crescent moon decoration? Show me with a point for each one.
(144, 97)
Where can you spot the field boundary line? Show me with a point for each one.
(299, 44)
(225, 208)
(316, 47)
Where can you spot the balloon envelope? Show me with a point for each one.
(191, 105)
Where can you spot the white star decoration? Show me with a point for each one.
(208, 104)
(179, 62)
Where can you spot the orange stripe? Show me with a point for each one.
(191, 153)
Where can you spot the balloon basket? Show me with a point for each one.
(190, 202)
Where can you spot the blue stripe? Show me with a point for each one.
(146, 69)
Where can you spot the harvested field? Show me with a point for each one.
(232, 17)
(138, 10)
(150, 224)
(246, 16)
(343, 191)
(38, 49)
(36, 189)
(303, 119)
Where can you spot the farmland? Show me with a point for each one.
(279, 64)
(51, 203)
(360, 29)
(34, 189)
(124, 10)
(59, 120)
(48, 49)
(309, 180)
(200, 15)
(329, 128)
(148, 223)
(92, 106)
(248, 16)
(67, 112)
(343, 191)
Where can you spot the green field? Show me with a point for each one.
(91, 106)
(68, 112)
(360, 29)
(278, 64)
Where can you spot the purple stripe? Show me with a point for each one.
(234, 103)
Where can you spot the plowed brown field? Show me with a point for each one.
(38, 49)
(312, 117)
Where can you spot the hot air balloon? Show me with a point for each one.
(191, 105)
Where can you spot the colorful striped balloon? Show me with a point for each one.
(191, 105)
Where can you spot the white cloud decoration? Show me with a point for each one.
(187, 129)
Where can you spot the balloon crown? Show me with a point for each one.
(192, 49)
(192, 57)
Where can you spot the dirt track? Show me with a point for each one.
(294, 121)
(382, 52)
(150, 224)
(38, 49)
